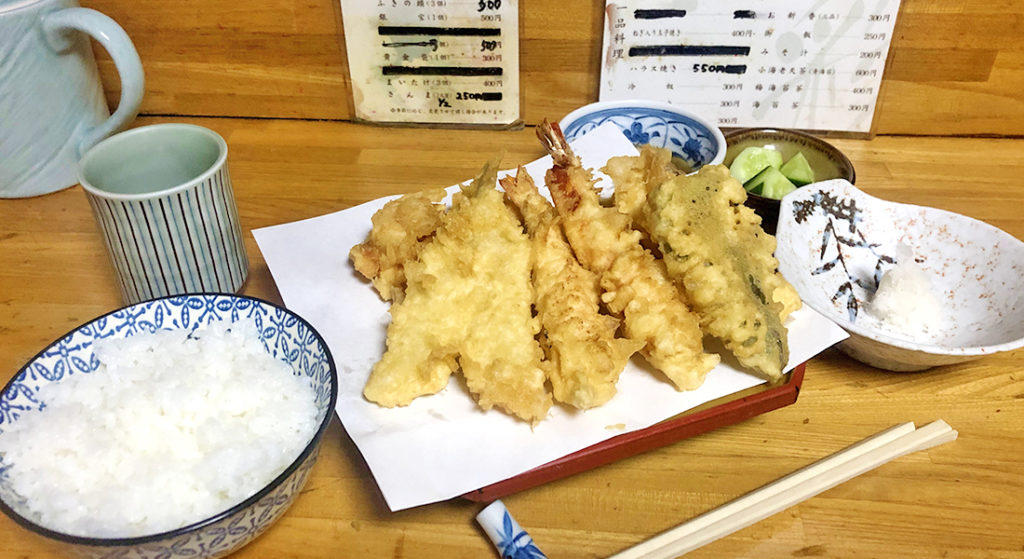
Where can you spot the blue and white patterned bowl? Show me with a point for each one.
(285, 335)
(690, 138)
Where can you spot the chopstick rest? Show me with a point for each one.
(787, 491)
(507, 535)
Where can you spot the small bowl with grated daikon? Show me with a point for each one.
(915, 287)
(181, 425)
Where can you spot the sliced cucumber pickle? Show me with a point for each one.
(770, 183)
(798, 170)
(752, 161)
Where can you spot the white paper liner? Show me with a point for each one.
(443, 446)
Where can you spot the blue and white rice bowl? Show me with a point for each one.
(286, 336)
(691, 138)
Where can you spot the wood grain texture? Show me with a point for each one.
(963, 499)
(955, 68)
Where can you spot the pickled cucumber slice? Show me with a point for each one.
(770, 183)
(798, 170)
(752, 161)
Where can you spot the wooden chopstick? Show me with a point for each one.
(787, 491)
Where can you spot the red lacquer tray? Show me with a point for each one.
(706, 417)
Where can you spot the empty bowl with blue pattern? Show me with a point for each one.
(693, 140)
(296, 349)
(915, 287)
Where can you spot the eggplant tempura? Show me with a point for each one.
(714, 246)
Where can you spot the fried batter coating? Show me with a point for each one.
(584, 358)
(715, 247)
(634, 177)
(782, 292)
(468, 304)
(635, 285)
(400, 230)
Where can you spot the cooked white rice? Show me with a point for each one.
(168, 431)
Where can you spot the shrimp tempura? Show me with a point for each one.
(584, 358)
(635, 284)
(468, 303)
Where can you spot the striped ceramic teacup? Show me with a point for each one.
(163, 200)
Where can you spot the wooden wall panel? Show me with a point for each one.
(266, 58)
(956, 68)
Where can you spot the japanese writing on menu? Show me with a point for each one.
(807, 64)
(434, 61)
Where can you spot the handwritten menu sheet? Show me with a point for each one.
(433, 61)
(806, 64)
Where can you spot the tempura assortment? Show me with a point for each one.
(536, 303)
(634, 283)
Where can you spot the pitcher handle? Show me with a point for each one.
(57, 26)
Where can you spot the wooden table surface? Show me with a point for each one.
(963, 499)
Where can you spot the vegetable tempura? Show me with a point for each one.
(400, 229)
(714, 247)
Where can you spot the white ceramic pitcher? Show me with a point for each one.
(52, 107)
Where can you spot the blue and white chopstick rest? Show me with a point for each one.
(508, 536)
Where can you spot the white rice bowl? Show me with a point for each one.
(187, 423)
(171, 428)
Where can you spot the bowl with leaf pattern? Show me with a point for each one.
(836, 245)
(283, 334)
(693, 140)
